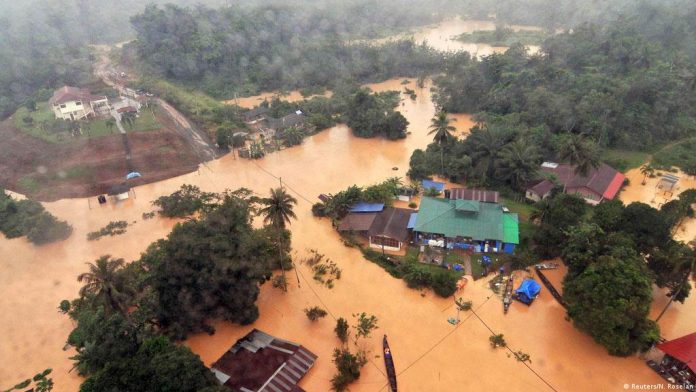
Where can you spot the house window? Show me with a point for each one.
(78, 103)
(62, 106)
(386, 241)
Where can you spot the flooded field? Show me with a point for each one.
(430, 354)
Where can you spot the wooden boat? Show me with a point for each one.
(389, 364)
(507, 296)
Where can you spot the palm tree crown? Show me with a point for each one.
(278, 209)
(440, 126)
(580, 152)
(104, 282)
(518, 163)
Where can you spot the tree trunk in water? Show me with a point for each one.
(442, 160)
(280, 255)
(671, 299)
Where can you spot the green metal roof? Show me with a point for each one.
(511, 228)
(478, 221)
(467, 205)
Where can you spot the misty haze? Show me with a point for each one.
(359, 195)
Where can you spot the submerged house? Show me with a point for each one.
(383, 228)
(679, 360)
(259, 362)
(602, 183)
(466, 224)
(73, 103)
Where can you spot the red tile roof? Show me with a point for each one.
(68, 94)
(683, 349)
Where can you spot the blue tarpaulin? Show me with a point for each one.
(439, 186)
(367, 207)
(412, 220)
(132, 175)
(527, 291)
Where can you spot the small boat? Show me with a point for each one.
(546, 266)
(389, 364)
(507, 295)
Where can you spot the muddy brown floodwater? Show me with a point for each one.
(430, 354)
(441, 36)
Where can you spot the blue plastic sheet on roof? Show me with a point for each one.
(528, 290)
(367, 207)
(132, 175)
(412, 220)
(439, 186)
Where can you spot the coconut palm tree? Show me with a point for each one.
(485, 145)
(518, 163)
(442, 130)
(128, 118)
(104, 283)
(580, 152)
(646, 170)
(277, 212)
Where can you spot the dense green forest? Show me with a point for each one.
(231, 50)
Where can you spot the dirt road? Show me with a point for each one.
(200, 142)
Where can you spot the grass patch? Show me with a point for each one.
(146, 121)
(522, 208)
(624, 160)
(43, 125)
(681, 155)
(503, 37)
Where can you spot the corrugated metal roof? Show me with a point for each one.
(474, 194)
(427, 184)
(511, 228)
(367, 207)
(412, 220)
(441, 216)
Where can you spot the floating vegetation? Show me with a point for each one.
(326, 271)
(111, 229)
(148, 215)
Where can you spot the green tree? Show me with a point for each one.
(128, 118)
(484, 146)
(104, 283)
(158, 365)
(348, 366)
(315, 313)
(110, 124)
(277, 211)
(364, 325)
(223, 137)
(441, 130)
(647, 170)
(579, 152)
(227, 257)
(610, 300)
(518, 163)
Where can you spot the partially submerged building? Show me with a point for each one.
(73, 103)
(466, 224)
(679, 361)
(383, 228)
(259, 362)
(602, 183)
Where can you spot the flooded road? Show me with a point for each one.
(429, 353)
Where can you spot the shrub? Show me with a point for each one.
(412, 205)
(315, 313)
(185, 202)
(348, 366)
(497, 341)
(319, 209)
(444, 284)
(341, 330)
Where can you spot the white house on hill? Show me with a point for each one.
(73, 103)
